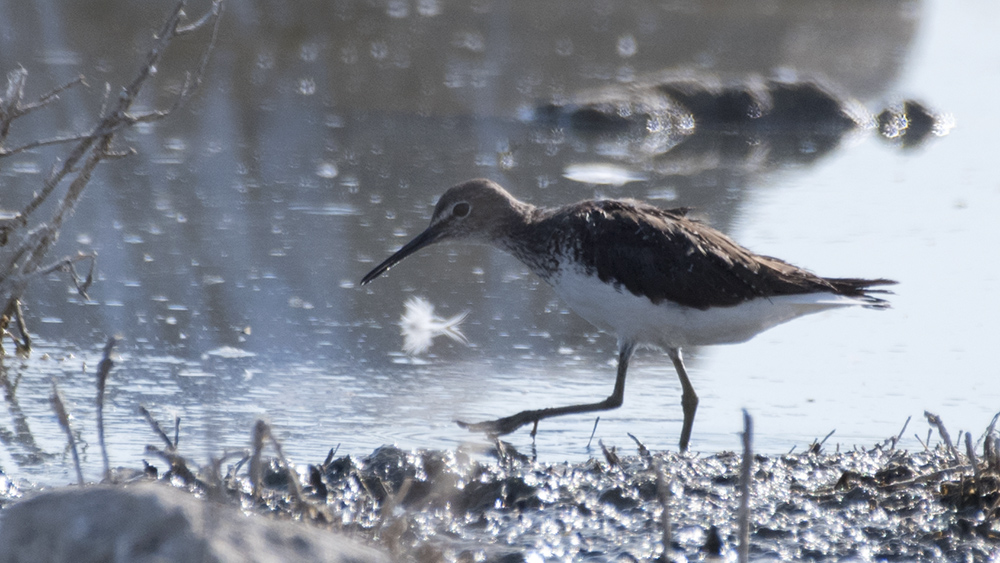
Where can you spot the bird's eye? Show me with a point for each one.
(461, 209)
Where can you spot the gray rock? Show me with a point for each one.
(155, 523)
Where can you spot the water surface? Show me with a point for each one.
(231, 245)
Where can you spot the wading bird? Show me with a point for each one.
(648, 275)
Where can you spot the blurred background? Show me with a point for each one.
(231, 245)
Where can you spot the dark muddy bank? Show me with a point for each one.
(867, 504)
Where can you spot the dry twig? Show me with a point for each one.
(743, 517)
(158, 430)
(593, 432)
(817, 447)
(59, 406)
(643, 451)
(295, 488)
(610, 456)
(103, 371)
(935, 421)
(663, 496)
(177, 463)
(256, 469)
(971, 453)
(991, 446)
(23, 249)
(899, 436)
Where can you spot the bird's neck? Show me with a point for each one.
(528, 237)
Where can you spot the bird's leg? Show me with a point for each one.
(508, 424)
(689, 399)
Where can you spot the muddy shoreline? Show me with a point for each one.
(878, 503)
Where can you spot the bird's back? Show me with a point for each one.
(663, 255)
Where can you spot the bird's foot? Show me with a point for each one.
(500, 426)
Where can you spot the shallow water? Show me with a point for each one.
(231, 245)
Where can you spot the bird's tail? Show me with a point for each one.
(862, 288)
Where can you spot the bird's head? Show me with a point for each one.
(476, 210)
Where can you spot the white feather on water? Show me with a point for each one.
(601, 174)
(420, 326)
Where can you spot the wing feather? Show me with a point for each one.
(663, 255)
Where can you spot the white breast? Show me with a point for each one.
(670, 325)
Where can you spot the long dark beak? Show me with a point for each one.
(423, 239)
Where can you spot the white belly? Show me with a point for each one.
(669, 325)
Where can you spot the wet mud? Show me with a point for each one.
(875, 504)
(866, 504)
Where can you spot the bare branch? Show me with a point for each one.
(22, 341)
(103, 371)
(663, 496)
(215, 12)
(44, 143)
(22, 262)
(178, 465)
(162, 39)
(66, 264)
(295, 487)
(25, 344)
(743, 515)
(12, 100)
(48, 186)
(256, 469)
(157, 429)
(936, 422)
(11, 109)
(149, 116)
(50, 96)
(15, 89)
(971, 453)
(59, 406)
(177, 431)
(643, 451)
(115, 155)
(899, 436)
(106, 102)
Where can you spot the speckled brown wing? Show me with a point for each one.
(663, 255)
